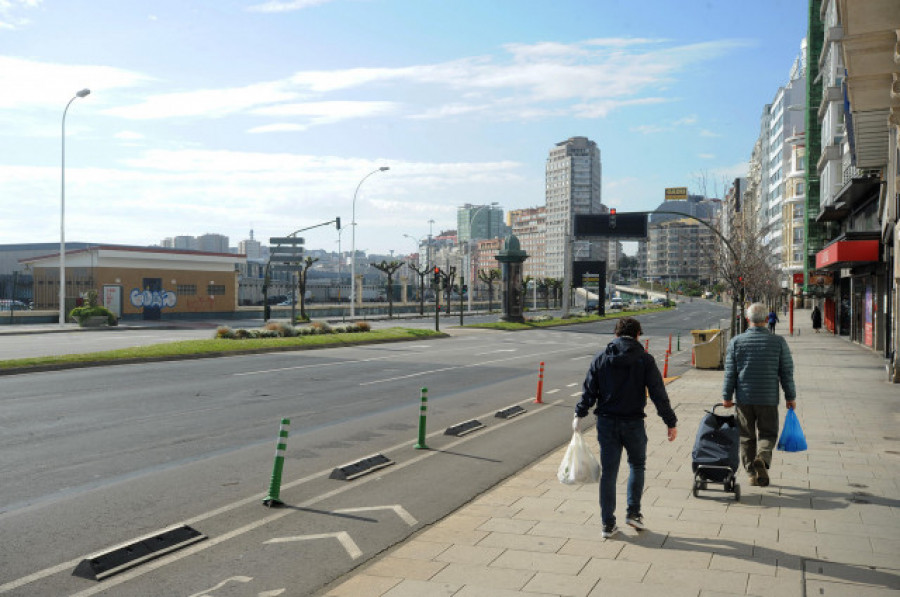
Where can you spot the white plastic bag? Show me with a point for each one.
(579, 465)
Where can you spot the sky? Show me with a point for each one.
(226, 116)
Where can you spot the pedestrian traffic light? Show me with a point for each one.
(612, 219)
(337, 223)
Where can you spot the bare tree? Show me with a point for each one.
(489, 277)
(301, 284)
(389, 268)
(421, 273)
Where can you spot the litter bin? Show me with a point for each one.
(709, 348)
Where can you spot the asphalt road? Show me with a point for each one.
(95, 458)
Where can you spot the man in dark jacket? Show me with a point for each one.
(618, 382)
(756, 363)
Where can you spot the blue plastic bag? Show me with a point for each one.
(792, 438)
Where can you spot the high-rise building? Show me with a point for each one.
(213, 243)
(573, 186)
(530, 227)
(476, 222)
(251, 247)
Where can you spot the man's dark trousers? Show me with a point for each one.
(613, 435)
(757, 421)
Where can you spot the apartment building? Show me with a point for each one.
(573, 186)
(530, 227)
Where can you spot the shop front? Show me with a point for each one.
(849, 274)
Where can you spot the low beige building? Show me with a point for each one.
(141, 282)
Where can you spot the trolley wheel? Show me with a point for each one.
(696, 489)
(737, 492)
(704, 486)
(729, 485)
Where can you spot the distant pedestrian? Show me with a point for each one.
(618, 381)
(772, 319)
(756, 364)
(816, 319)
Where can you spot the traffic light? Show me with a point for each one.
(337, 223)
(437, 276)
(612, 219)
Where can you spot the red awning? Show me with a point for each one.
(845, 253)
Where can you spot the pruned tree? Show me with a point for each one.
(301, 284)
(421, 273)
(489, 277)
(389, 268)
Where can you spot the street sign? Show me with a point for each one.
(286, 240)
(291, 258)
(623, 225)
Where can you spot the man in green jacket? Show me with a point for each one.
(756, 363)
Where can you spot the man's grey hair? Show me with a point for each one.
(757, 313)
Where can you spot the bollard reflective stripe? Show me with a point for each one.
(540, 386)
(423, 408)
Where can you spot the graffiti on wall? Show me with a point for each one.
(152, 298)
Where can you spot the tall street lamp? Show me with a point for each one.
(469, 271)
(62, 215)
(353, 242)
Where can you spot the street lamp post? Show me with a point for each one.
(469, 272)
(353, 242)
(62, 214)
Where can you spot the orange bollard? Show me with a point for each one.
(692, 357)
(666, 367)
(540, 388)
(670, 344)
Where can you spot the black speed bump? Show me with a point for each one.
(509, 413)
(461, 429)
(352, 470)
(103, 565)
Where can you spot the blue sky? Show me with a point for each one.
(222, 116)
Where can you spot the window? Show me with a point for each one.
(215, 289)
(186, 289)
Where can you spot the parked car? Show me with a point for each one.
(616, 304)
(12, 305)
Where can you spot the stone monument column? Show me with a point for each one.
(511, 259)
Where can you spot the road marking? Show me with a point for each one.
(205, 592)
(397, 508)
(571, 384)
(552, 391)
(576, 394)
(342, 536)
(336, 363)
(451, 368)
(481, 354)
(213, 541)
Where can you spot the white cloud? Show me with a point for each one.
(128, 135)
(285, 6)
(10, 9)
(318, 113)
(30, 85)
(706, 156)
(210, 103)
(709, 133)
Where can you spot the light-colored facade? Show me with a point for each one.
(136, 281)
(680, 250)
(573, 186)
(530, 227)
(782, 124)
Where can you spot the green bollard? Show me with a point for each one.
(422, 410)
(272, 500)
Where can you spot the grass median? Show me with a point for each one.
(185, 349)
(556, 321)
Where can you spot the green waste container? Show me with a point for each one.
(709, 348)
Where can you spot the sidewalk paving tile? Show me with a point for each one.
(540, 562)
(523, 542)
(562, 584)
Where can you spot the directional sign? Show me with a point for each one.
(627, 225)
(294, 258)
(286, 240)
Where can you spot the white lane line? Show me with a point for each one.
(552, 391)
(343, 537)
(317, 365)
(576, 394)
(481, 354)
(571, 384)
(442, 369)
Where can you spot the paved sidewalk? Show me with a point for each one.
(829, 524)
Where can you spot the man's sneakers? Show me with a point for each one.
(754, 481)
(609, 530)
(762, 475)
(635, 521)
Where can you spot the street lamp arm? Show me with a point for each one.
(696, 219)
(353, 241)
